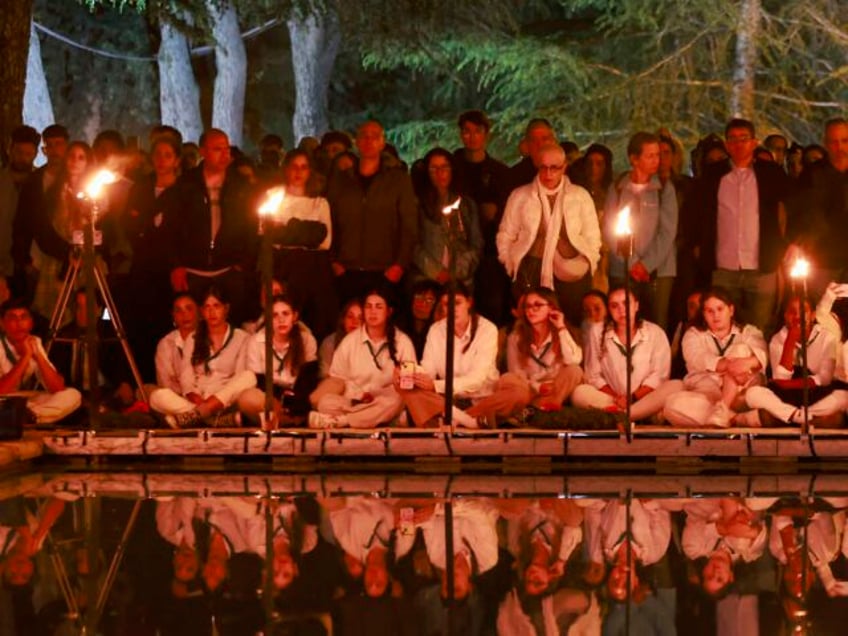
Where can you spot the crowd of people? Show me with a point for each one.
(367, 252)
(360, 565)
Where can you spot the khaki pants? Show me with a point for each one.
(513, 393)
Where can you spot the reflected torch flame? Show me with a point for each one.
(622, 223)
(449, 209)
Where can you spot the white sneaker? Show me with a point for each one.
(461, 418)
(321, 420)
(720, 416)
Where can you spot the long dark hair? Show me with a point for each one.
(297, 348)
(340, 329)
(427, 193)
(202, 345)
(524, 330)
(313, 185)
(609, 323)
(461, 289)
(391, 331)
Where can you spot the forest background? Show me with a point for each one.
(597, 69)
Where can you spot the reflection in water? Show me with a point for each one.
(464, 565)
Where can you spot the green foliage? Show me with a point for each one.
(602, 69)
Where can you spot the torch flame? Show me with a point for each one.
(448, 209)
(800, 269)
(274, 199)
(94, 188)
(622, 223)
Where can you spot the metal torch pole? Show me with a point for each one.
(627, 245)
(267, 268)
(451, 321)
(88, 266)
(804, 371)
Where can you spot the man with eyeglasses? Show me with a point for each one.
(549, 234)
(742, 220)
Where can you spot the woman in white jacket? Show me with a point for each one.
(549, 234)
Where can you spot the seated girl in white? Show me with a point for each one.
(169, 351)
(360, 392)
(349, 320)
(606, 363)
(25, 370)
(783, 398)
(608, 540)
(213, 373)
(722, 359)
(474, 368)
(720, 533)
(543, 361)
(294, 366)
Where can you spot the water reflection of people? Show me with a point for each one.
(543, 538)
(362, 528)
(718, 534)
(22, 535)
(807, 538)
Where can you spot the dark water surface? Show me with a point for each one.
(242, 554)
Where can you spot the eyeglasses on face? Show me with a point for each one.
(424, 298)
(546, 168)
(535, 305)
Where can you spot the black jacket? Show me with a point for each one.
(193, 245)
(772, 189)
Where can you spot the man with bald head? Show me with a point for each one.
(375, 218)
(213, 225)
(818, 214)
(549, 234)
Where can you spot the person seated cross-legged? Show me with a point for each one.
(24, 367)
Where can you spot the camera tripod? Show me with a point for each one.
(84, 260)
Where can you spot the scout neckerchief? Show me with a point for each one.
(230, 332)
(32, 380)
(376, 354)
(281, 360)
(376, 537)
(722, 350)
(542, 528)
(541, 357)
(797, 353)
(623, 349)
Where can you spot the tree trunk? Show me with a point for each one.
(15, 22)
(179, 97)
(38, 109)
(230, 71)
(748, 29)
(315, 43)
